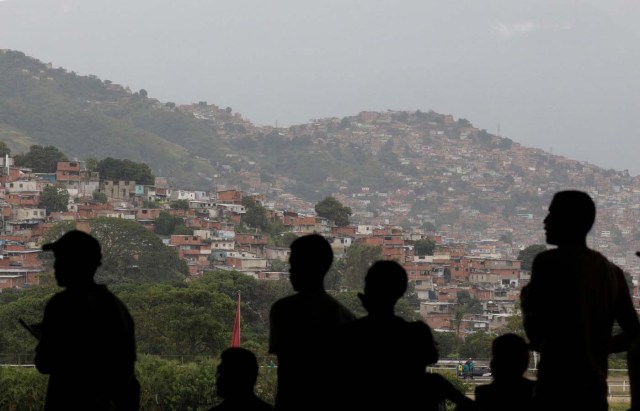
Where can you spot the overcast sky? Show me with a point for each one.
(561, 75)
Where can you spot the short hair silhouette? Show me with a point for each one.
(510, 356)
(386, 281)
(310, 259)
(575, 210)
(235, 381)
(237, 372)
(314, 253)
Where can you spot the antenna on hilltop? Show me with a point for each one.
(499, 129)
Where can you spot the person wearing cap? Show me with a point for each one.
(87, 343)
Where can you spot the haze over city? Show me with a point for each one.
(557, 75)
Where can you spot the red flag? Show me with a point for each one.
(235, 338)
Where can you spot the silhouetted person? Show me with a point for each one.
(301, 326)
(569, 307)
(236, 380)
(510, 390)
(383, 359)
(87, 345)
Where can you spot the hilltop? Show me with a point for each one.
(416, 169)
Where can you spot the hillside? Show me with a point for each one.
(86, 117)
(416, 169)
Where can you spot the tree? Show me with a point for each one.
(470, 303)
(53, 199)
(529, 253)
(424, 247)
(353, 267)
(100, 197)
(429, 226)
(190, 320)
(131, 252)
(166, 224)
(255, 215)
(4, 150)
(91, 164)
(285, 239)
(179, 205)
(506, 238)
(125, 170)
(333, 210)
(41, 159)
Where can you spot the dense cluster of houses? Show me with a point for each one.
(214, 243)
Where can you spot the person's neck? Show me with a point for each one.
(81, 285)
(573, 244)
(313, 290)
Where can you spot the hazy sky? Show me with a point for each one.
(555, 74)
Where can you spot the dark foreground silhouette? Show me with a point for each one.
(87, 342)
(509, 389)
(236, 380)
(381, 359)
(569, 307)
(302, 326)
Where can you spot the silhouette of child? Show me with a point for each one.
(383, 358)
(236, 379)
(302, 324)
(509, 389)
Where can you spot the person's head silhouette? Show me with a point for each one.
(310, 259)
(77, 257)
(571, 216)
(237, 373)
(509, 356)
(385, 282)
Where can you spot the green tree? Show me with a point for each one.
(41, 159)
(529, 253)
(166, 224)
(189, 320)
(100, 197)
(470, 303)
(22, 389)
(333, 210)
(179, 205)
(125, 170)
(131, 252)
(91, 164)
(4, 150)
(54, 198)
(353, 267)
(424, 247)
(255, 215)
(477, 345)
(285, 239)
(429, 226)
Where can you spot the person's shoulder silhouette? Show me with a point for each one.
(383, 356)
(302, 324)
(235, 382)
(570, 305)
(87, 343)
(510, 389)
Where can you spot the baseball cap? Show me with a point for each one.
(78, 243)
